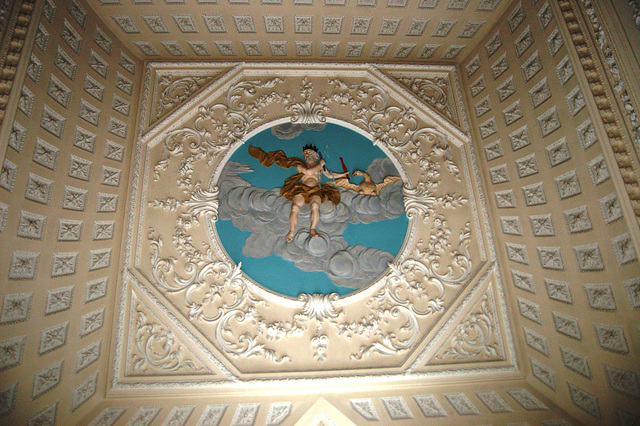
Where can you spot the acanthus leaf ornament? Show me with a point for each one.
(157, 347)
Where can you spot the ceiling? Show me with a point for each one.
(337, 30)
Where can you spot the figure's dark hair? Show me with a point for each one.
(311, 147)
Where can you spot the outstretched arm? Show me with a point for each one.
(333, 175)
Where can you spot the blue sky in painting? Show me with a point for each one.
(333, 141)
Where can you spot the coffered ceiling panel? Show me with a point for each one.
(340, 30)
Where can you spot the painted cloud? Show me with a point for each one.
(265, 214)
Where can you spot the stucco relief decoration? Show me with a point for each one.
(187, 202)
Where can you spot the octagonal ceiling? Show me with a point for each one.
(438, 308)
(337, 30)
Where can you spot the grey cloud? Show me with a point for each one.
(266, 215)
(291, 130)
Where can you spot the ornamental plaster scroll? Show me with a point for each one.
(196, 275)
(435, 91)
(173, 88)
(476, 337)
(155, 350)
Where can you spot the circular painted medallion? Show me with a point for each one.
(297, 224)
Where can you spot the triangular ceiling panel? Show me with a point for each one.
(173, 88)
(156, 349)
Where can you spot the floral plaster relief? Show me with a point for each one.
(185, 211)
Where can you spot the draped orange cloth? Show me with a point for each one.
(292, 185)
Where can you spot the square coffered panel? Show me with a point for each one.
(148, 26)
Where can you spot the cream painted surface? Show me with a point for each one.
(564, 284)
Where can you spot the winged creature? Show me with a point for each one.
(367, 186)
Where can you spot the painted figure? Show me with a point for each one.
(304, 187)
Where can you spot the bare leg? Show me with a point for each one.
(315, 215)
(297, 202)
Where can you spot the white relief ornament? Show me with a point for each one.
(558, 290)
(584, 400)
(74, 199)
(11, 351)
(476, 335)
(84, 391)
(365, 408)
(531, 66)
(103, 40)
(470, 29)
(623, 381)
(95, 289)
(452, 51)
(610, 208)
(86, 356)
(397, 408)
(578, 219)
(212, 415)
(523, 42)
(542, 225)
(527, 165)
(567, 325)
(93, 87)
(523, 281)
(624, 249)
(543, 373)
(278, 412)
(545, 15)
(500, 66)
(58, 300)
(176, 91)
(64, 264)
(493, 150)
(555, 42)
(34, 68)
(8, 175)
(511, 225)
(564, 69)
(493, 402)
(526, 399)
(91, 321)
(107, 202)
(17, 136)
(46, 379)
(540, 93)
(245, 414)
(478, 86)
(71, 36)
(157, 348)
(108, 416)
(31, 225)
(53, 337)
(461, 403)
(529, 310)
(600, 296)
(536, 341)
(179, 415)
(575, 361)
(473, 66)
(190, 146)
(430, 406)
(45, 154)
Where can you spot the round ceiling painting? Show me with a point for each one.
(293, 236)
